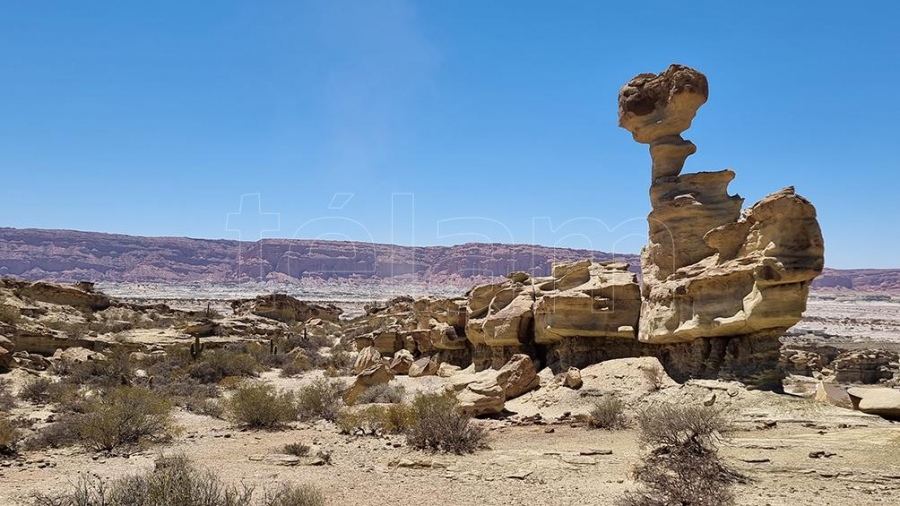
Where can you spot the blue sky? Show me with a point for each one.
(435, 122)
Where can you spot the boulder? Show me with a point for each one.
(201, 328)
(483, 393)
(76, 355)
(402, 362)
(572, 379)
(830, 393)
(286, 309)
(522, 376)
(367, 358)
(6, 360)
(424, 366)
(375, 375)
(884, 402)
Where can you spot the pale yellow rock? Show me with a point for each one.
(367, 358)
(710, 270)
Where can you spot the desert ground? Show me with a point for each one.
(792, 450)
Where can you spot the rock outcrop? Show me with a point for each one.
(884, 402)
(710, 271)
(286, 309)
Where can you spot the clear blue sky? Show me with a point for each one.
(436, 122)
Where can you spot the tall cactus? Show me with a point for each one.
(196, 348)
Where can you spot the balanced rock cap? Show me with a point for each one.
(655, 106)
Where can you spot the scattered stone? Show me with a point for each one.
(572, 379)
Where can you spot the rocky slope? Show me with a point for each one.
(70, 256)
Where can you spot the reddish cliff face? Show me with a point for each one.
(68, 256)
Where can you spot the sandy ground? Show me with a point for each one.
(550, 464)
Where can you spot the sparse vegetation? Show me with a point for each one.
(9, 437)
(682, 465)
(215, 365)
(438, 425)
(319, 400)
(296, 449)
(608, 413)
(124, 416)
(176, 481)
(9, 314)
(655, 376)
(384, 393)
(7, 401)
(36, 391)
(260, 405)
(376, 420)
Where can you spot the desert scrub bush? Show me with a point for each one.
(321, 399)
(375, 420)
(296, 449)
(294, 495)
(116, 370)
(125, 416)
(36, 391)
(9, 437)
(437, 424)
(383, 393)
(298, 364)
(176, 481)
(7, 401)
(63, 431)
(608, 413)
(260, 405)
(213, 366)
(681, 465)
(10, 314)
(655, 376)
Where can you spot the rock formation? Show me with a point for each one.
(735, 280)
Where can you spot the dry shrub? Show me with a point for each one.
(215, 365)
(9, 437)
(125, 416)
(176, 481)
(383, 393)
(608, 413)
(36, 391)
(320, 399)
(294, 495)
(7, 401)
(655, 376)
(682, 465)
(63, 431)
(260, 405)
(298, 364)
(116, 370)
(375, 420)
(296, 449)
(9, 314)
(439, 425)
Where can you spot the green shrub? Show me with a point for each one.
(608, 413)
(36, 391)
(9, 437)
(383, 393)
(682, 465)
(125, 416)
(260, 405)
(319, 400)
(439, 425)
